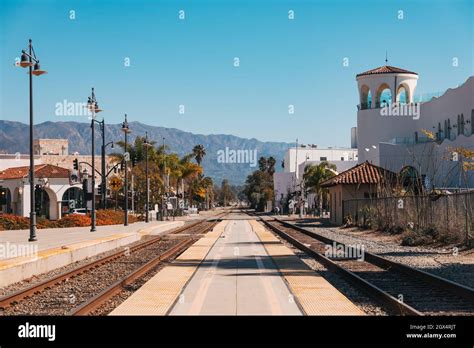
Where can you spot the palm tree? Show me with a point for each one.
(135, 149)
(188, 173)
(271, 165)
(199, 152)
(314, 175)
(208, 185)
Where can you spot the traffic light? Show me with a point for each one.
(76, 164)
(99, 189)
(134, 161)
(122, 165)
(84, 186)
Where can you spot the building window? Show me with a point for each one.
(340, 198)
(323, 158)
(462, 123)
(342, 158)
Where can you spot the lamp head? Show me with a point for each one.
(25, 62)
(37, 70)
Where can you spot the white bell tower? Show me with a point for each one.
(378, 88)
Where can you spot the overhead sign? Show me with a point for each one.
(115, 183)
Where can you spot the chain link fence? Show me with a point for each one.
(447, 214)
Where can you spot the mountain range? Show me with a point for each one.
(14, 138)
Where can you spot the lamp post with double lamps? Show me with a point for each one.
(30, 61)
(147, 184)
(103, 175)
(93, 107)
(164, 205)
(126, 158)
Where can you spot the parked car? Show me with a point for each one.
(80, 211)
(190, 211)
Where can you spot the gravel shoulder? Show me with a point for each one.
(446, 261)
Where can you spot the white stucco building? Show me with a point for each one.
(297, 158)
(391, 126)
(53, 190)
(57, 182)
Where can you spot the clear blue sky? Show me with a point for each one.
(190, 62)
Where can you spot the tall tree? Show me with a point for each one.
(259, 185)
(271, 165)
(199, 152)
(314, 175)
(227, 195)
(262, 164)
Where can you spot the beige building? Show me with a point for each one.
(361, 181)
(51, 147)
(57, 180)
(56, 153)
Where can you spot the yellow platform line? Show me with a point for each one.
(46, 253)
(314, 293)
(43, 254)
(157, 296)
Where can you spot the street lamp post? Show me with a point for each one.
(103, 174)
(147, 184)
(126, 130)
(85, 178)
(164, 214)
(103, 184)
(27, 61)
(93, 107)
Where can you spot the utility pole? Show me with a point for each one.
(133, 197)
(164, 181)
(126, 130)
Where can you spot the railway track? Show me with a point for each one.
(403, 289)
(83, 289)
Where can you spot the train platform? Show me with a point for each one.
(239, 268)
(57, 247)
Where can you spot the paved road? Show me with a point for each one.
(236, 278)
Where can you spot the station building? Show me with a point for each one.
(56, 181)
(396, 129)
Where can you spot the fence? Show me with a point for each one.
(451, 214)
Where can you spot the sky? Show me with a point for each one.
(146, 61)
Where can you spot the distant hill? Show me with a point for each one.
(14, 138)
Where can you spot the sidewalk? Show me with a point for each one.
(57, 247)
(50, 238)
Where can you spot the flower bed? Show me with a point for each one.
(103, 217)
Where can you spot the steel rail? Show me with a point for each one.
(97, 301)
(386, 298)
(448, 285)
(8, 300)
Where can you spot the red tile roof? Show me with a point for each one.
(386, 69)
(364, 173)
(41, 171)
